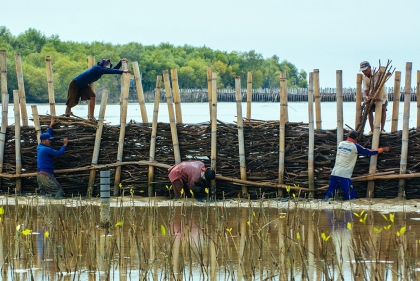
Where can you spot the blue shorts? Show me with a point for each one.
(346, 186)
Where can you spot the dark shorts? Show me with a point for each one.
(75, 94)
(372, 108)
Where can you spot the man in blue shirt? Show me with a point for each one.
(79, 86)
(47, 184)
(345, 161)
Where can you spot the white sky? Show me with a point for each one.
(328, 35)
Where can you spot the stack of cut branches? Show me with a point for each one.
(377, 82)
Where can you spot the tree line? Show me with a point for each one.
(70, 58)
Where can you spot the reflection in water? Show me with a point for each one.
(54, 242)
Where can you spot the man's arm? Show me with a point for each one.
(369, 152)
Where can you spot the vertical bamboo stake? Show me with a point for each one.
(339, 94)
(283, 120)
(248, 95)
(91, 62)
(396, 102)
(97, 145)
(21, 87)
(125, 88)
(17, 141)
(311, 134)
(36, 123)
(152, 151)
(214, 130)
(140, 93)
(4, 106)
(405, 132)
(375, 140)
(242, 163)
(209, 87)
(50, 82)
(317, 97)
(174, 132)
(418, 98)
(177, 97)
(359, 78)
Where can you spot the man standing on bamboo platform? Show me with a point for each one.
(79, 86)
(47, 184)
(368, 75)
(344, 165)
(189, 174)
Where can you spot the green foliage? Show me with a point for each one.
(70, 59)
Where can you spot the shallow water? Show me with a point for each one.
(192, 240)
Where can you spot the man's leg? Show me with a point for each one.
(383, 118)
(332, 187)
(348, 190)
(68, 110)
(91, 107)
(370, 118)
(177, 186)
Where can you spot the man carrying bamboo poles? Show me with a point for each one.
(369, 80)
(345, 161)
(47, 184)
(79, 86)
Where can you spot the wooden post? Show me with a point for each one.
(21, 87)
(177, 97)
(174, 132)
(241, 140)
(140, 93)
(339, 90)
(214, 130)
(396, 102)
(375, 139)
(153, 136)
(405, 131)
(311, 134)
(317, 96)
(50, 82)
(91, 62)
(4, 106)
(97, 145)
(37, 124)
(17, 142)
(283, 120)
(125, 88)
(418, 98)
(209, 87)
(359, 78)
(248, 95)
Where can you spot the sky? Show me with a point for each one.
(328, 35)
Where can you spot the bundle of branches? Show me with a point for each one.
(377, 81)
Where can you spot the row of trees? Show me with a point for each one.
(70, 58)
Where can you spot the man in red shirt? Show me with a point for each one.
(189, 174)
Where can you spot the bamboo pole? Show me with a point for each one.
(317, 97)
(340, 122)
(248, 95)
(21, 87)
(50, 82)
(4, 106)
(375, 138)
(140, 93)
(405, 131)
(36, 123)
(283, 120)
(174, 132)
(152, 153)
(214, 130)
(97, 145)
(418, 98)
(396, 102)
(209, 87)
(17, 142)
(359, 78)
(177, 97)
(91, 63)
(125, 88)
(241, 139)
(311, 134)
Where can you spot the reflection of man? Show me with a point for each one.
(344, 165)
(189, 174)
(369, 80)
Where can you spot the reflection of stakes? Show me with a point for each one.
(375, 88)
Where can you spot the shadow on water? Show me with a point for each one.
(46, 240)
